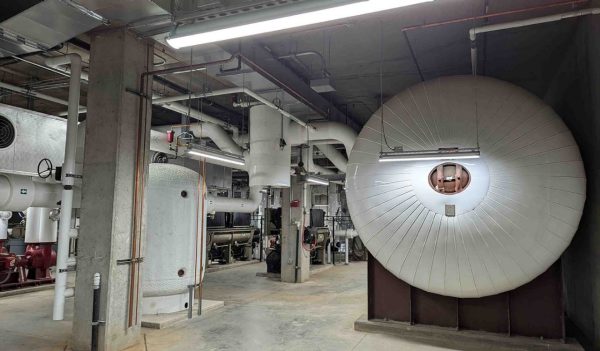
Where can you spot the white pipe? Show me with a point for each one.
(195, 114)
(19, 192)
(69, 292)
(159, 143)
(228, 204)
(32, 93)
(237, 90)
(4, 217)
(68, 180)
(323, 132)
(309, 163)
(216, 133)
(347, 250)
(162, 100)
(522, 23)
(334, 156)
(329, 250)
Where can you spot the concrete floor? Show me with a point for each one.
(259, 314)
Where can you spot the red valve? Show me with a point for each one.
(170, 136)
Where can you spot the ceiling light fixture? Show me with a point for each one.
(428, 155)
(316, 180)
(259, 24)
(214, 154)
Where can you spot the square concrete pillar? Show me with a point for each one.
(115, 169)
(293, 255)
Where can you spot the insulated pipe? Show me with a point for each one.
(68, 180)
(309, 163)
(522, 23)
(195, 114)
(336, 157)
(227, 204)
(323, 131)
(159, 143)
(31, 93)
(4, 217)
(238, 90)
(215, 132)
(19, 192)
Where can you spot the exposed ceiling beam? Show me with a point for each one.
(262, 61)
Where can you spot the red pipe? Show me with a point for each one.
(497, 14)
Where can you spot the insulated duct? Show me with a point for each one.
(323, 132)
(4, 217)
(19, 192)
(309, 162)
(228, 204)
(39, 227)
(516, 213)
(209, 130)
(269, 160)
(336, 157)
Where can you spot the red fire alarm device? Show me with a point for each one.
(295, 203)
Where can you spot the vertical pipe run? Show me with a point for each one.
(346, 249)
(190, 300)
(96, 312)
(332, 241)
(68, 180)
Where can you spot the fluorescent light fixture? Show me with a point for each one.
(210, 34)
(214, 154)
(316, 180)
(428, 155)
(191, 70)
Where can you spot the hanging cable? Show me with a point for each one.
(383, 137)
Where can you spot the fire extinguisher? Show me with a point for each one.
(170, 136)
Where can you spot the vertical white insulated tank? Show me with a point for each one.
(174, 227)
(269, 161)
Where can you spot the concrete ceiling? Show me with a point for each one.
(354, 50)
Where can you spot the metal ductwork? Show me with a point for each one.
(506, 222)
(43, 26)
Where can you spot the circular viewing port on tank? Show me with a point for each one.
(449, 178)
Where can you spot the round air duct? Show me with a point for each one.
(173, 224)
(469, 227)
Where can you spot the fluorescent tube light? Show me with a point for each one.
(316, 180)
(428, 155)
(214, 154)
(286, 22)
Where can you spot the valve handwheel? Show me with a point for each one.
(44, 168)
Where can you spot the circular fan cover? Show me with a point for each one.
(519, 212)
(7, 132)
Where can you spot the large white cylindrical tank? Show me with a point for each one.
(173, 238)
(517, 206)
(269, 163)
(39, 228)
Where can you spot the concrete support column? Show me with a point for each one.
(293, 255)
(115, 169)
